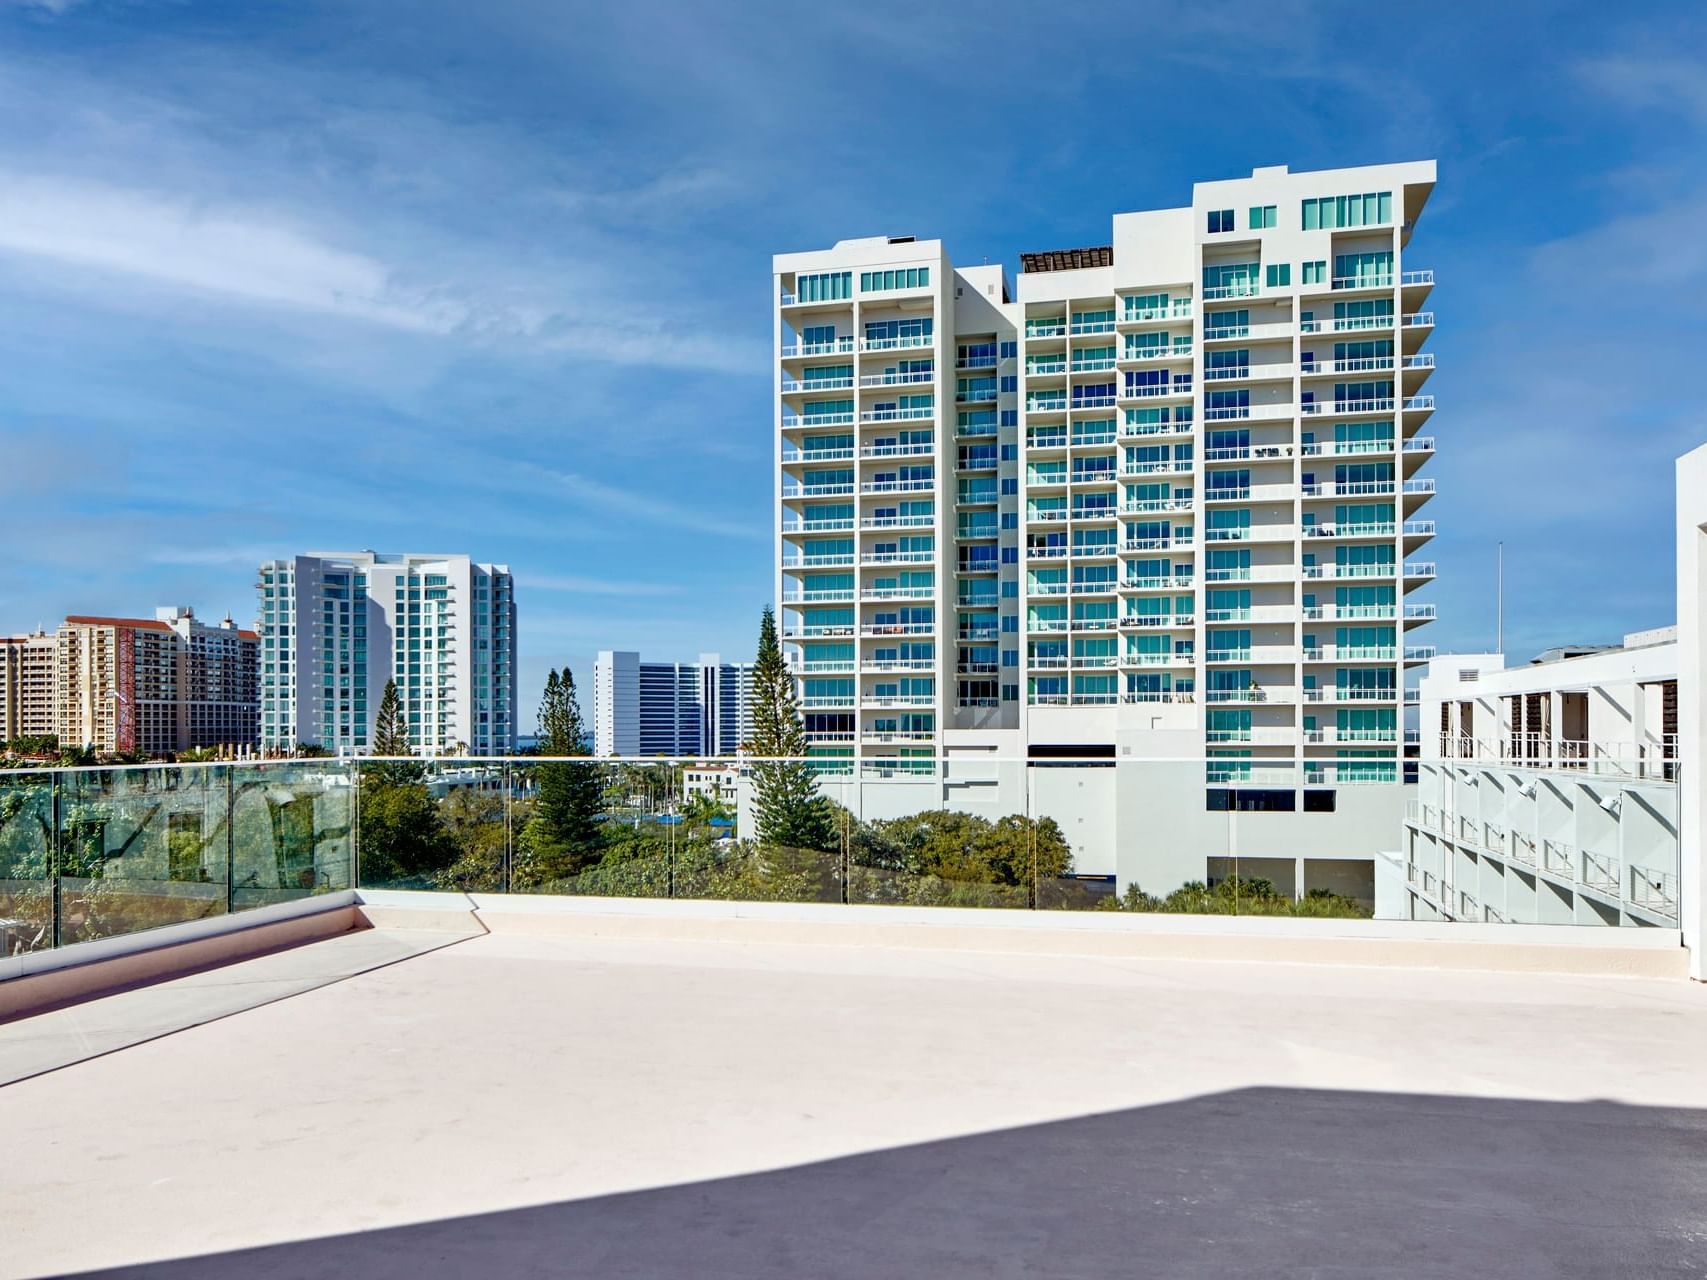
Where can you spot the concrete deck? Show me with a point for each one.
(521, 1105)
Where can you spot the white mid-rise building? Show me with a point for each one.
(670, 708)
(335, 626)
(1159, 502)
(1546, 793)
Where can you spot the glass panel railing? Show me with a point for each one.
(140, 848)
(27, 800)
(1289, 818)
(293, 830)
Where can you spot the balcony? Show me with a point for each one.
(910, 378)
(898, 450)
(897, 593)
(1247, 332)
(922, 413)
(797, 457)
(1179, 309)
(898, 486)
(906, 342)
(1340, 368)
(1347, 694)
(1248, 373)
(1255, 412)
(793, 386)
(898, 629)
(1156, 354)
(835, 347)
(1376, 280)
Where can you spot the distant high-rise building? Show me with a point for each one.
(26, 685)
(156, 685)
(670, 708)
(335, 626)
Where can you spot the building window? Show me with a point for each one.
(1262, 217)
(1010, 350)
(828, 286)
(1220, 220)
(1329, 213)
(1315, 272)
(1279, 275)
(884, 281)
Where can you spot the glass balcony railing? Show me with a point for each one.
(94, 853)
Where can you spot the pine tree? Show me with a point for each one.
(790, 811)
(566, 833)
(403, 841)
(390, 732)
(391, 738)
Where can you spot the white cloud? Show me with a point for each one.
(246, 555)
(253, 257)
(237, 253)
(593, 586)
(644, 507)
(1663, 81)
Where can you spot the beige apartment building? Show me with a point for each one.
(26, 685)
(156, 685)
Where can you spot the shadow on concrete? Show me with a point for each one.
(1257, 1182)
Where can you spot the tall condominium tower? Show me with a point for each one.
(1160, 498)
(670, 708)
(335, 626)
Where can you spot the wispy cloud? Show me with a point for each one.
(575, 585)
(219, 555)
(253, 257)
(645, 506)
(1665, 81)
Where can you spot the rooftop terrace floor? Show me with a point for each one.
(516, 1105)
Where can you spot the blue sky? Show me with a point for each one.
(495, 278)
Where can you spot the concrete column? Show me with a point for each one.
(1691, 706)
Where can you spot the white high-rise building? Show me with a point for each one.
(670, 708)
(335, 626)
(1157, 502)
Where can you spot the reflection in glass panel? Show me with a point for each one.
(140, 848)
(26, 851)
(291, 825)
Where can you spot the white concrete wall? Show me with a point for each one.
(1692, 706)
